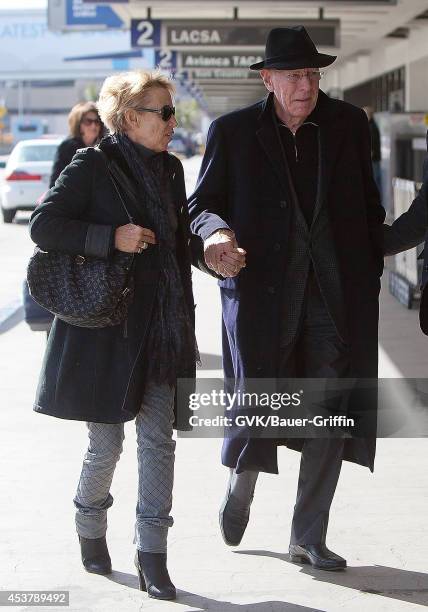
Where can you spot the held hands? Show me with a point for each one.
(222, 254)
(133, 238)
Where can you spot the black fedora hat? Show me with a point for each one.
(291, 48)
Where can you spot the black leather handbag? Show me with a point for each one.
(84, 291)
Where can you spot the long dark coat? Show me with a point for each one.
(242, 185)
(99, 374)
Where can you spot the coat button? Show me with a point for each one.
(277, 247)
(283, 204)
(271, 289)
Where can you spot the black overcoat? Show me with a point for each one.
(99, 374)
(242, 185)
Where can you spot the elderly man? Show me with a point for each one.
(290, 217)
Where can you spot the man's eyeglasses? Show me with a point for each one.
(89, 121)
(312, 75)
(166, 112)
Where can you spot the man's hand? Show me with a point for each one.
(222, 254)
(132, 238)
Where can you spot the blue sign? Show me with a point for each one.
(23, 129)
(166, 59)
(145, 32)
(81, 13)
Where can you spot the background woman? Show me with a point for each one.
(86, 130)
(115, 374)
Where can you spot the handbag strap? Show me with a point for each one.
(114, 181)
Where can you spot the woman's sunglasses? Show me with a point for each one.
(166, 112)
(89, 121)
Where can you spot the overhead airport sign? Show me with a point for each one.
(146, 33)
(79, 15)
(221, 73)
(225, 33)
(218, 59)
(242, 33)
(166, 59)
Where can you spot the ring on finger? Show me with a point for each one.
(144, 245)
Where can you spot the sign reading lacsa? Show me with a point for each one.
(242, 33)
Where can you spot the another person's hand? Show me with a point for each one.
(132, 238)
(222, 254)
(232, 262)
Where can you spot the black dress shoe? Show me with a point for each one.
(95, 556)
(233, 519)
(318, 555)
(153, 575)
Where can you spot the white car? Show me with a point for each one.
(26, 176)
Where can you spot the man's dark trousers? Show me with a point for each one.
(318, 352)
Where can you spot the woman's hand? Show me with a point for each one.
(132, 238)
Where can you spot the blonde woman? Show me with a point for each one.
(115, 374)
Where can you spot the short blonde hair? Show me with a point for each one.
(76, 115)
(127, 91)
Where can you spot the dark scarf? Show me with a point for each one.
(171, 347)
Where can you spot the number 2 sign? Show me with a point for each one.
(145, 32)
(166, 59)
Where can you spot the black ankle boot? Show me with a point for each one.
(153, 575)
(95, 556)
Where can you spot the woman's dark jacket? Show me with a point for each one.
(64, 155)
(99, 374)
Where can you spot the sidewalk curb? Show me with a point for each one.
(10, 315)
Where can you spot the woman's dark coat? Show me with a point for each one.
(99, 374)
(242, 185)
(64, 154)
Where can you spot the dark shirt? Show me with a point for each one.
(301, 152)
(144, 151)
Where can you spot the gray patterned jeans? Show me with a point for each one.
(155, 453)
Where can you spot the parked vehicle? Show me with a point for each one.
(182, 144)
(3, 162)
(26, 176)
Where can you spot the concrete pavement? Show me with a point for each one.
(378, 521)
